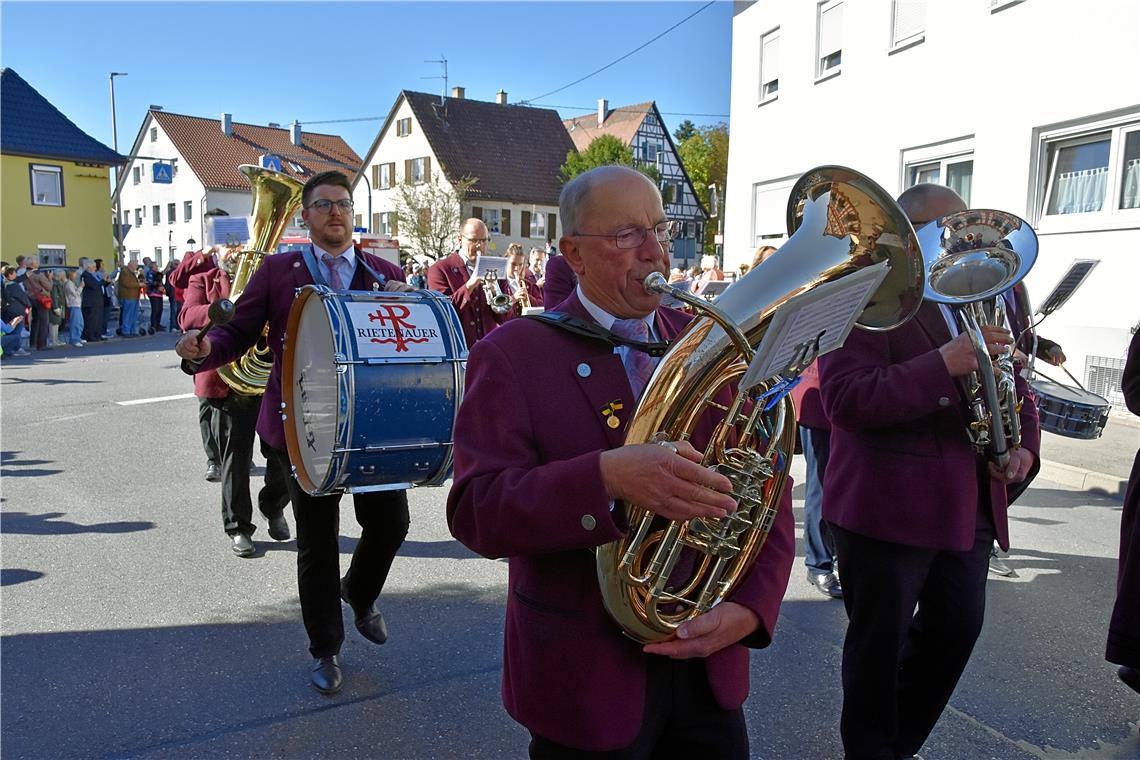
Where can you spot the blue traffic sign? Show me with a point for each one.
(163, 173)
(270, 161)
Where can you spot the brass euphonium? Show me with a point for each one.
(499, 301)
(972, 257)
(276, 197)
(845, 222)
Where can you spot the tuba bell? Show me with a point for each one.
(499, 301)
(842, 222)
(971, 258)
(276, 197)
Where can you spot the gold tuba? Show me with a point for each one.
(972, 257)
(845, 222)
(276, 197)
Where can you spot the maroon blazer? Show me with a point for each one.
(267, 298)
(205, 288)
(560, 282)
(809, 406)
(449, 276)
(190, 265)
(901, 467)
(528, 486)
(1124, 627)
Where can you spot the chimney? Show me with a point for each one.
(295, 133)
(153, 107)
(274, 125)
(603, 107)
(501, 98)
(227, 124)
(457, 93)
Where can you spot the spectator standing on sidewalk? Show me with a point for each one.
(58, 306)
(129, 291)
(38, 286)
(155, 292)
(172, 296)
(15, 304)
(74, 290)
(92, 301)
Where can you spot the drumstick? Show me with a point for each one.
(221, 311)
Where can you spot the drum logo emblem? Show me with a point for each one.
(396, 328)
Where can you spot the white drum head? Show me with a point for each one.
(315, 393)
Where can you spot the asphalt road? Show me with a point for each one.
(129, 630)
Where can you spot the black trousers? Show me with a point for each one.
(93, 320)
(41, 326)
(901, 664)
(206, 412)
(682, 720)
(155, 313)
(235, 424)
(383, 518)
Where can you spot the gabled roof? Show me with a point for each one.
(31, 126)
(515, 151)
(622, 123)
(214, 157)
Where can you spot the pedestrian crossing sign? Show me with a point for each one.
(163, 173)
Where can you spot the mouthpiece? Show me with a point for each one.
(656, 283)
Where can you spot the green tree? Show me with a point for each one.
(603, 151)
(428, 215)
(685, 131)
(705, 156)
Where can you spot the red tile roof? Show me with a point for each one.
(214, 157)
(621, 122)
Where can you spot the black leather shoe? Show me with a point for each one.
(369, 621)
(326, 676)
(279, 528)
(827, 583)
(242, 546)
(213, 474)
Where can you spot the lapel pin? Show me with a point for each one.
(609, 411)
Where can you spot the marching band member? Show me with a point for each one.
(383, 516)
(560, 282)
(544, 485)
(525, 291)
(913, 511)
(454, 276)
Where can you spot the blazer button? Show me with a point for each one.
(943, 401)
(583, 370)
(296, 264)
(588, 522)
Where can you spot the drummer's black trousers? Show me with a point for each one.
(383, 519)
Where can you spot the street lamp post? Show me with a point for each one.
(115, 170)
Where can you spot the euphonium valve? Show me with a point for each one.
(276, 197)
(664, 572)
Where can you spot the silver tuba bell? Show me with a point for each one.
(971, 258)
(499, 301)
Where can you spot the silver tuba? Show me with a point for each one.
(843, 222)
(499, 301)
(972, 257)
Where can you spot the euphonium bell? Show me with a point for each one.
(499, 301)
(276, 197)
(971, 258)
(842, 222)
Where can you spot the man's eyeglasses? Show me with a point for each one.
(325, 206)
(632, 237)
(477, 241)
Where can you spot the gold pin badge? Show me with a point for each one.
(609, 411)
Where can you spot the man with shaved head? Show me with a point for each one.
(454, 276)
(913, 510)
(542, 477)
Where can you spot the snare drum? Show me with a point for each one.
(1067, 411)
(371, 382)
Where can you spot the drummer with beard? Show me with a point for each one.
(334, 260)
(542, 478)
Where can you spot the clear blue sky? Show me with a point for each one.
(320, 61)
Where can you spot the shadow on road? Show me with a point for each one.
(11, 576)
(49, 524)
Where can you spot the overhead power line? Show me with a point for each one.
(528, 101)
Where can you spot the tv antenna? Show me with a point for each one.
(443, 62)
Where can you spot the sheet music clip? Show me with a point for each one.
(789, 376)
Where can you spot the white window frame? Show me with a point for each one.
(136, 175)
(914, 37)
(1001, 5)
(386, 218)
(404, 126)
(156, 214)
(1111, 216)
(46, 173)
(493, 218)
(187, 210)
(387, 176)
(537, 225)
(944, 153)
(766, 95)
(418, 163)
(776, 192)
(139, 217)
(51, 254)
(154, 134)
(171, 213)
(822, 74)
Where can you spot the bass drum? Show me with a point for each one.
(371, 383)
(1071, 412)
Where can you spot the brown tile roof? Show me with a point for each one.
(214, 157)
(621, 122)
(515, 151)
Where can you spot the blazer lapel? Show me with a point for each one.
(602, 379)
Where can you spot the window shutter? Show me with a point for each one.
(910, 19)
(551, 222)
(477, 212)
(427, 169)
(505, 225)
(524, 229)
(408, 170)
(375, 221)
(375, 176)
(770, 60)
(392, 217)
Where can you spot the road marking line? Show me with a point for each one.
(155, 400)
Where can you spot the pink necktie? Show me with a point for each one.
(332, 262)
(638, 365)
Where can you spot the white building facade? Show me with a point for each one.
(1027, 106)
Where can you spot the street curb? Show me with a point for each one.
(1083, 480)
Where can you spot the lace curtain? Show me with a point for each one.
(1079, 192)
(1130, 184)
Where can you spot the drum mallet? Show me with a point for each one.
(221, 312)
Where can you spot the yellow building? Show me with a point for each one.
(55, 197)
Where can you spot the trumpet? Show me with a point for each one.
(524, 294)
(499, 301)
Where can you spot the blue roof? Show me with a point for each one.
(31, 126)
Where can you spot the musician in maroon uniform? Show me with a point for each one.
(454, 276)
